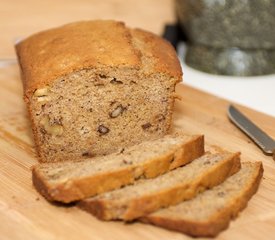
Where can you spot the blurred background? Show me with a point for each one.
(21, 18)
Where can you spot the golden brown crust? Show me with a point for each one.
(73, 190)
(57, 52)
(161, 53)
(97, 209)
(143, 205)
(76, 189)
(218, 222)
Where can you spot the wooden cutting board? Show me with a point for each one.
(24, 214)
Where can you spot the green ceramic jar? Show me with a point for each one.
(231, 37)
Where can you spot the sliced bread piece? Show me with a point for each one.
(147, 196)
(71, 181)
(210, 212)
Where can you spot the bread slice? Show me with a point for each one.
(92, 87)
(210, 212)
(70, 181)
(146, 196)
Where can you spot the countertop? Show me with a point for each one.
(257, 92)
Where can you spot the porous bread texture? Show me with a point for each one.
(93, 87)
(149, 195)
(74, 180)
(211, 211)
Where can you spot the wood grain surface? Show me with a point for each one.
(24, 214)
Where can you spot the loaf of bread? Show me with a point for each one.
(74, 180)
(211, 211)
(93, 87)
(148, 195)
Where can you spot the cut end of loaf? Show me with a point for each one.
(108, 87)
(100, 113)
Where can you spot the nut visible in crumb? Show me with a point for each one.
(127, 162)
(206, 162)
(146, 126)
(41, 94)
(84, 130)
(53, 129)
(85, 154)
(122, 150)
(172, 160)
(115, 81)
(56, 130)
(103, 130)
(159, 117)
(43, 99)
(221, 194)
(102, 76)
(117, 111)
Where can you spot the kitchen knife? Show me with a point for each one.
(265, 142)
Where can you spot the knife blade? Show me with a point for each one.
(265, 142)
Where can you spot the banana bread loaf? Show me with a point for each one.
(92, 87)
